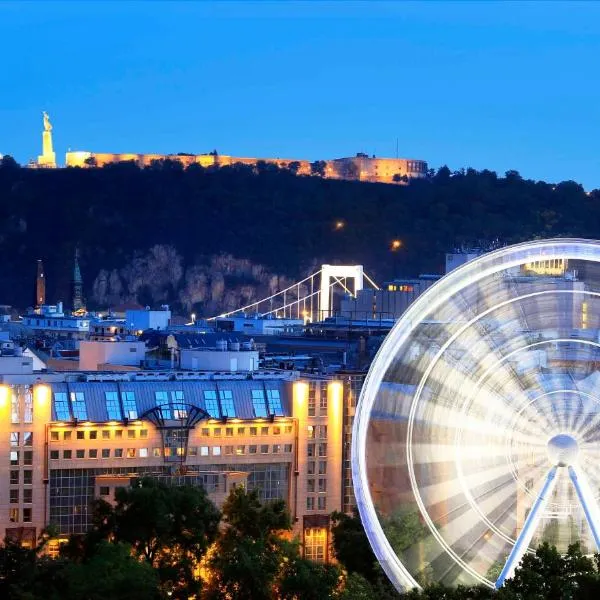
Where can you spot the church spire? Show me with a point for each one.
(77, 284)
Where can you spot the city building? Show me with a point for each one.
(66, 439)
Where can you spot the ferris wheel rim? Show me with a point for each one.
(441, 291)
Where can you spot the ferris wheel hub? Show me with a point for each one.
(562, 450)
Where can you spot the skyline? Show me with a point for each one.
(496, 86)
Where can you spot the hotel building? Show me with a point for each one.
(68, 438)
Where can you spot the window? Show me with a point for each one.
(113, 410)
(274, 401)
(276, 430)
(252, 449)
(253, 430)
(118, 434)
(205, 431)
(240, 450)
(118, 452)
(217, 432)
(287, 448)
(311, 432)
(323, 398)
(310, 450)
(14, 438)
(288, 429)
(13, 515)
(27, 495)
(67, 454)
(312, 395)
(322, 502)
(54, 436)
(315, 543)
(203, 450)
(216, 451)
(104, 490)
(322, 485)
(54, 454)
(93, 434)
(61, 406)
(93, 453)
(229, 431)
(14, 407)
(66, 436)
(227, 407)
(310, 485)
(14, 496)
(264, 449)
(27, 515)
(143, 452)
(156, 452)
(131, 434)
(310, 503)
(105, 452)
(162, 400)
(323, 449)
(179, 408)
(106, 434)
(81, 435)
(14, 457)
(28, 458)
(310, 467)
(143, 433)
(130, 452)
(241, 430)
(14, 477)
(80, 453)
(211, 404)
(276, 448)
(322, 467)
(258, 402)
(79, 407)
(129, 407)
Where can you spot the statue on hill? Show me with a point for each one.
(47, 124)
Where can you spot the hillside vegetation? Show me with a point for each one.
(204, 239)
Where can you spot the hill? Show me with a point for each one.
(187, 237)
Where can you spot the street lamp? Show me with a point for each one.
(395, 245)
(339, 225)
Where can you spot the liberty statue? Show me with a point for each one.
(47, 124)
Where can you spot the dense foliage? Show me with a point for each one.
(267, 215)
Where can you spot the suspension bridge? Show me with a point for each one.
(310, 299)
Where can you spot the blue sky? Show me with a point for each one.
(498, 85)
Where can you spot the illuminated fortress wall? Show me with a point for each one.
(360, 167)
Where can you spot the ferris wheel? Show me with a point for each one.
(477, 434)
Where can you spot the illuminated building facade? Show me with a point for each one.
(360, 167)
(67, 440)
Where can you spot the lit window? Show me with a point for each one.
(211, 404)
(312, 398)
(258, 402)
(28, 407)
(179, 408)
(143, 452)
(14, 407)
(130, 452)
(156, 452)
(162, 401)
(129, 406)
(276, 430)
(240, 450)
(14, 438)
(61, 406)
(315, 544)
(79, 407)
(311, 432)
(274, 401)
(13, 515)
(203, 450)
(216, 450)
(113, 410)
(14, 457)
(227, 407)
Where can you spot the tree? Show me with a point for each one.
(294, 167)
(318, 168)
(171, 527)
(111, 573)
(248, 555)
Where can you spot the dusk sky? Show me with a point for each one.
(502, 85)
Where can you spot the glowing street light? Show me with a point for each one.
(339, 225)
(395, 245)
